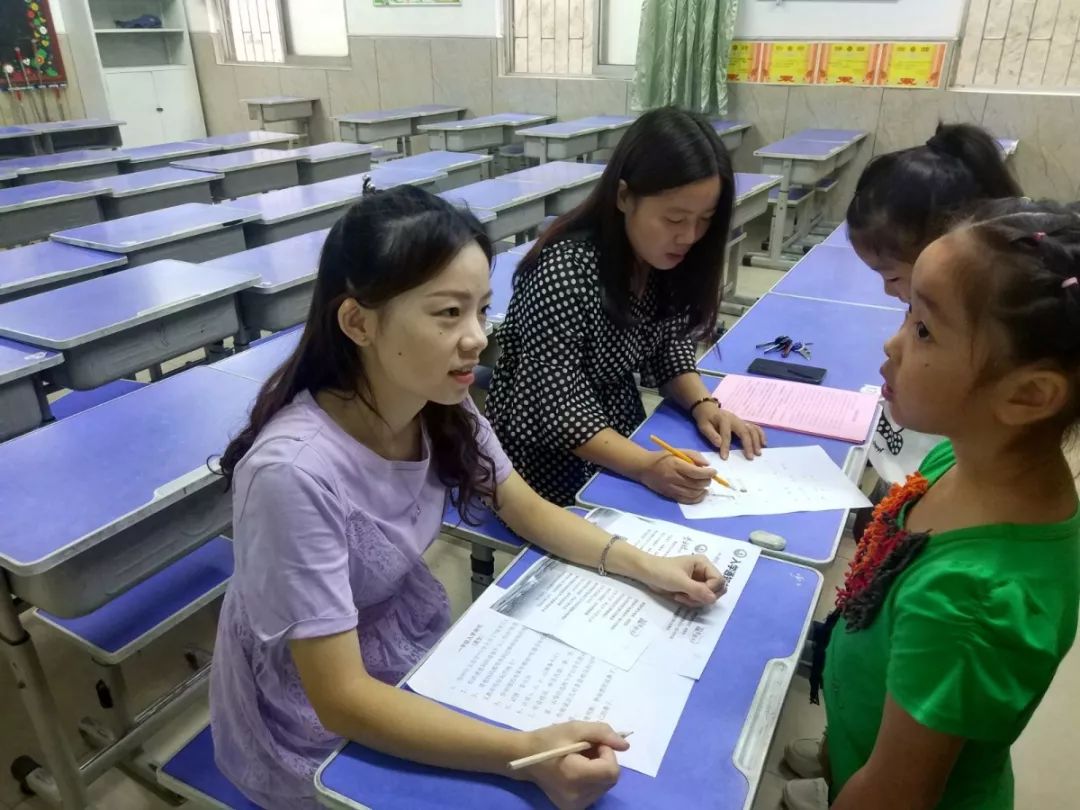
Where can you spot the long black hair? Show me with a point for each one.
(905, 200)
(664, 149)
(387, 243)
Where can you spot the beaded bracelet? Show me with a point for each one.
(702, 401)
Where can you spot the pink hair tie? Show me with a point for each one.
(1069, 282)
(1039, 236)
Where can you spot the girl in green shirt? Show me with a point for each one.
(962, 598)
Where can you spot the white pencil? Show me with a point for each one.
(555, 753)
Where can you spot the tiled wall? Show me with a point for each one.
(1020, 43)
(387, 72)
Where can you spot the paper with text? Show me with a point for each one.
(779, 481)
(689, 636)
(495, 667)
(607, 617)
(802, 408)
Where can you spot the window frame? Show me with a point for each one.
(600, 68)
(228, 53)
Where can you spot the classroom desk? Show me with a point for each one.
(329, 161)
(139, 192)
(718, 749)
(249, 171)
(812, 537)
(460, 168)
(572, 181)
(566, 140)
(35, 211)
(274, 109)
(836, 273)
(801, 162)
(519, 207)
(731, 132)
(252, 139)
(23, 405)
(78, 165)
(82, 133)
(839, 237)
(286, 272)
(115, 325)
(848, 339)
(385, 176)
(483, 132)
(16, 141)
(160, 155)
(752, 196)
(36, 268)
(290, 212)
(263, 358)
(193, 232)
(95, 504)
(400, 123)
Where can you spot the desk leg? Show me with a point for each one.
(33, 688)
(483, 569)
(774, 259)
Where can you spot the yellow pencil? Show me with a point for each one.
(679, 454)
(555, 753)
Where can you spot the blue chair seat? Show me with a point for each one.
(79, 401)
(796, 196)
(193, 774)
(122, 627)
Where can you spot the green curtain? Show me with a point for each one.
(682, 55)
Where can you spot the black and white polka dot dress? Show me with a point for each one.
(567, 369)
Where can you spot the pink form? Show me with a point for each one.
(802, 408)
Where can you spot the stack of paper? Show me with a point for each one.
(801, 408)
(780, 480)
(563, 643)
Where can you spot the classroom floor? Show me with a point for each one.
(1043, 759)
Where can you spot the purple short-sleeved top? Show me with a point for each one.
(328, 537)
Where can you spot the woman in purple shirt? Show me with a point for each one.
(339, 484)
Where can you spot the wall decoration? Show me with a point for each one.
(849, 64)
(915, 64)
(29, 50)
(788, 62)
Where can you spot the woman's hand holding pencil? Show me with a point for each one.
(574, 763)
(682, 475)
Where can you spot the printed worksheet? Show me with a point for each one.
(608, 617)
(780, 480)
(689, 636)
(499, 669)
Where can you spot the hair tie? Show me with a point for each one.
(1038, 236)
(1072, 281)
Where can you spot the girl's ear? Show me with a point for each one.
(1029, 396)
(624, 200)
(357, 322)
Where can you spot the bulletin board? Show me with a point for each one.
(29, 50)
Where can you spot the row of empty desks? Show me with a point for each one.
(484, 132)
(59, 136)
(397, 124)
(121, 323)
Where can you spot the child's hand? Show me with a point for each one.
(576, 781)
(692, 580)
(718, 426)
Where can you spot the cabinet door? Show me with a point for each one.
(132, 100)
(177, 95)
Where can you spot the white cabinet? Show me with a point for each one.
(157, 105)
(180, 105)
(142, 76)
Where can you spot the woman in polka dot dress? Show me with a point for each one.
(622, 285)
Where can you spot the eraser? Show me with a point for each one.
(773, 542)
